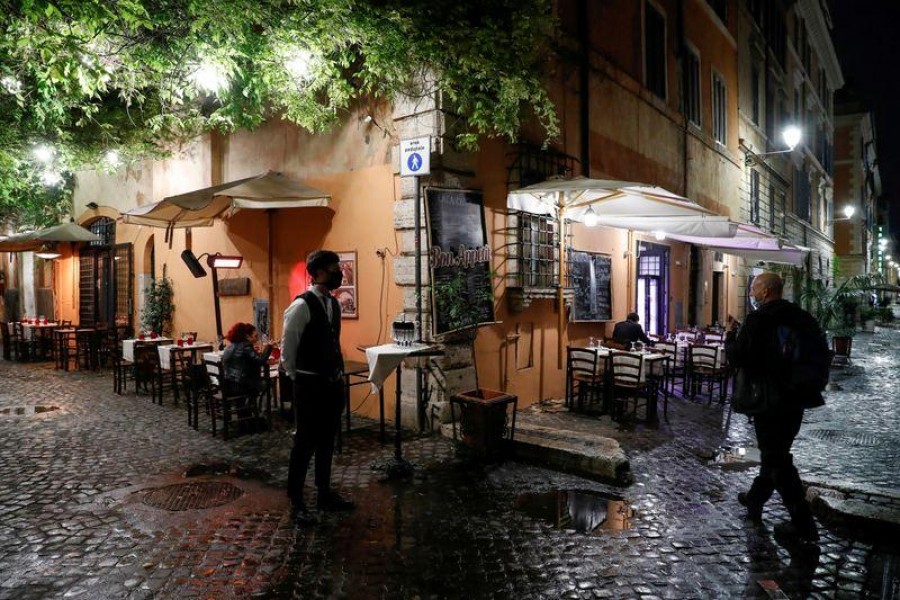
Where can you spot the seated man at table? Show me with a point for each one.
(242, 364)
(630, 330)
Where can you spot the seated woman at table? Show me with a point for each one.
(630, 330)
(241, 362)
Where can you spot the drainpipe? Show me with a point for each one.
(682, 51)
(584, 96)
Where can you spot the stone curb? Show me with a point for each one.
(873, 511)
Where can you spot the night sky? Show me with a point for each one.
(867, 40)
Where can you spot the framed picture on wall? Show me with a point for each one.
(346, 294)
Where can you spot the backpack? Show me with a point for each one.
(805, 356)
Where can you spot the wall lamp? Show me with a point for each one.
(214, 262)
(790, 135)
(47, 252)
(848, 211)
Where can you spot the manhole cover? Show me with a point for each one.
(193, 496)
(26, 411)
(847, 437)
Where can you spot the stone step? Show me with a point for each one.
(874, 511)
(577, 452)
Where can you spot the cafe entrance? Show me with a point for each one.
(652, 297)
(104, 278)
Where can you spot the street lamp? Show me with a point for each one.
(790, 135)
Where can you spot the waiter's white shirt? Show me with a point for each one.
(296, 318)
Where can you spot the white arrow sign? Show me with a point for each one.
(415, 157)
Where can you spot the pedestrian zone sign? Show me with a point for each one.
(415, 157)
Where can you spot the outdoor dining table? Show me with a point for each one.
(383, 360)
(41, 333)
(654, 367)
(216, 357)
(128, 345)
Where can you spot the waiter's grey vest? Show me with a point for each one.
(319, 350)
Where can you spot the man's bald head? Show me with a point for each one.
(767, 287)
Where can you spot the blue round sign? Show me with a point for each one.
(414, 162)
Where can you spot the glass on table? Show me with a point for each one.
(592, 342)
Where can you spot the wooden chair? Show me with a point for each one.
(8, 349)
(123, 369)
(87, 349)
(224, 404)
(199, 390)
(148, 373)
(24, 347)
(630, 386)
(674, 368)
(585, 378)
(706, 366)
(64, 347)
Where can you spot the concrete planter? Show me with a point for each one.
(869, 325)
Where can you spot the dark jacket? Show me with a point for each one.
(626, 332)
(243, 367)
(756, 348)
(319, 350)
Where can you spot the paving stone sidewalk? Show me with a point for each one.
(83, 479)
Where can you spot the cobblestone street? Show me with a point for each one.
(85, 511)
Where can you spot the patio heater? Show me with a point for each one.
(214, 262)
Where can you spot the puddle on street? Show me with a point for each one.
(581, 510)
(25, 411)
(734, 458)
(234, 470)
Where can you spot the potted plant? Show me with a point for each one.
(156, 316)
(835, 307)
(867, 315)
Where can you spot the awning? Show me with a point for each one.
(621, 204)
(751, 244)
(201, 207)
(67, 232)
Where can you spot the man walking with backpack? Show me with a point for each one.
(783, 351)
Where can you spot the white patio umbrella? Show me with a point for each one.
(34, 240)
(620, 204)
(200, 208)
(752, 244)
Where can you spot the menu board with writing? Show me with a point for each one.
(591, 275)
(460, 260)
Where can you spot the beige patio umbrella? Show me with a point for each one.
(200, 208)
(34, 240)
(612, 203)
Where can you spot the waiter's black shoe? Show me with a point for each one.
(332, 502)
(754, 513)
(301, 515)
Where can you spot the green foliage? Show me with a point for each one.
(454, 299)
(835, 307)
(158, 307)
(90, 76)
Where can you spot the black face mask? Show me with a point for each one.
(334, 280)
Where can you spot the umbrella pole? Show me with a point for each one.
(269, 287)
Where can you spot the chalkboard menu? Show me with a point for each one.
(460, 260)
(591, 275)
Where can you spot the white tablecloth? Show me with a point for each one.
(216, 357)
(30, 329)
(653, 361)
(128, 346)
(165, 351)
(384, 359)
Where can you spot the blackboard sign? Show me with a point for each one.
(460, 260)
(591, 276)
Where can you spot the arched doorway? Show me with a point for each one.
(105, 278)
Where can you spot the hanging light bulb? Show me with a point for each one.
(659, 235)
(112, 159)
(590, 217)
(209, 77)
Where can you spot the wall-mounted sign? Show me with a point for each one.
(591, 276)
(460, 259)
(415, 157)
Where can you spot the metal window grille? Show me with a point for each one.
(754, 196)
(106, 229)
(87, 287)
(538, 250)
(122, 263)
(649, 266)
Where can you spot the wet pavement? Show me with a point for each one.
(105, 496)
